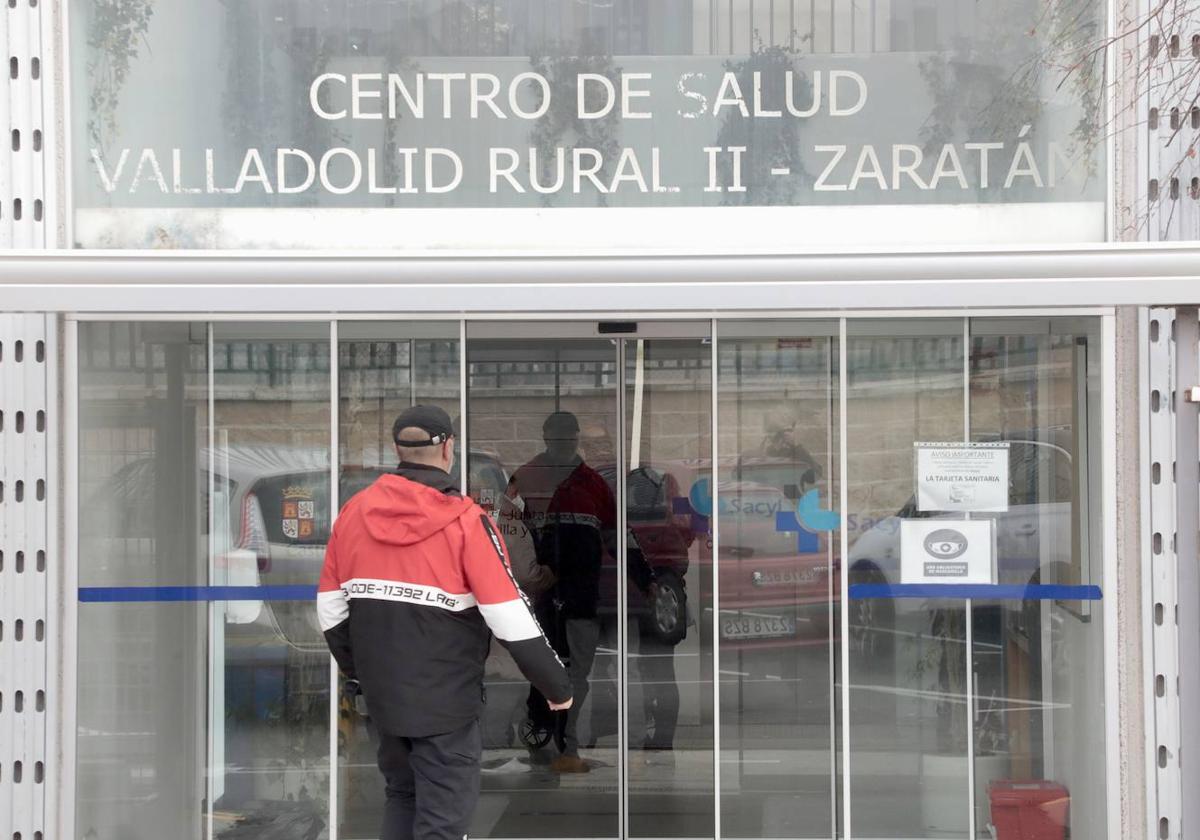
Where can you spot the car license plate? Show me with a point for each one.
(757, 627)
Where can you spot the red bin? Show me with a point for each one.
(1029, 810)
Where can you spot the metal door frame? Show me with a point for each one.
(64, 798)
(620, 331)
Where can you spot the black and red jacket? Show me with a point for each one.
(571, 512)
(415, 577)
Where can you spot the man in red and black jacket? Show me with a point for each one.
(415, 581)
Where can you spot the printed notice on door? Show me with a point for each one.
(947, 551)
(962, 477)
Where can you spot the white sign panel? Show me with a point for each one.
(962, 477)
(947, 551)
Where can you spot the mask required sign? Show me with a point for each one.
(947, 551)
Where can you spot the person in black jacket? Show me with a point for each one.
(416, 579)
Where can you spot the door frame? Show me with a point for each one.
(612, 328)
(64, 797)
(621, 332)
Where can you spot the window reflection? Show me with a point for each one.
(1038, 663)
(383, 368)
(270, 703)
(542, 418)
(668, 507)
(520, 28)
(908, 716)
(230, 700)
(934, 75)
(143, 425)
(778, 425)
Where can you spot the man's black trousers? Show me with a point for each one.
(432, 784)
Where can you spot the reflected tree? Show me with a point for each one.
(561, 126)
(1038, 60)
(941, 665)
(116, 29)
(769, 143)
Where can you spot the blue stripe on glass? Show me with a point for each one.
(981, 591)
(160, 594)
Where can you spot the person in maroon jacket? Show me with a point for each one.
(415, 577)
(572, 516)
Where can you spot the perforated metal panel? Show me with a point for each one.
(26, 368)
(1163, 595)
(1172, 49)
(25, 554)
(23, 146)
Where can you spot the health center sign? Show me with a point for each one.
(303, 111)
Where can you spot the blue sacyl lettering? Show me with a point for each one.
(751, 508)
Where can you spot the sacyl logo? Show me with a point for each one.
(946, 544)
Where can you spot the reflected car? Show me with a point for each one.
(660, 540)
(283, 523)
(271, 522)
(776, 583)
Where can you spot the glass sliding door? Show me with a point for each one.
(141, 744)
(667, 500)
(716, 537)
(542, 420)
(777, 387)
(592, 454)
(972, 446)
(907, 658)
(269, 718)
(203, 512)
(383, 368)
(1038, 663)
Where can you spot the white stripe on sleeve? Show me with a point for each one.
(511, 621)
(332, 608)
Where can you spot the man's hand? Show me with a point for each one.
(353, 693)
(561, 707)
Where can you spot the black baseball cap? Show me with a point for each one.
(429, 418)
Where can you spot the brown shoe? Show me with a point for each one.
(569, 764)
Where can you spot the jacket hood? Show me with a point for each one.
(400, 511)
